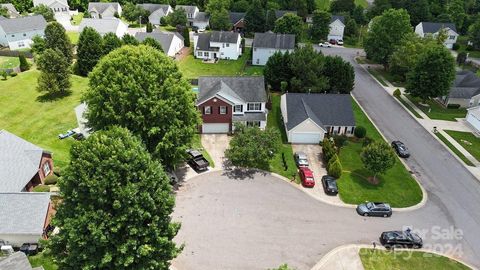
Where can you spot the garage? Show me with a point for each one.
(310, 138)
(473, 118)
(216, 128)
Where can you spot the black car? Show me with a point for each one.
(197, 161)
(405, 239)
(401, 149)
(329, 184)
(377, 209)
(29, 249)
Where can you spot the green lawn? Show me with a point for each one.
(42, 260)
(362, 3)
(73, 36)
(468, 141)
(455, 150)
(39, 122)
(437, 111)
(409, 107)
(254, 70)
(396, 187)
(275, 121)
(406, 260)
(197, 144)
(8, 62)
(76, 19)
(322, 4)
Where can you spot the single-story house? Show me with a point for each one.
(473, 118)
(195, 17)
(465, 90)
(25, 217)
(157, 11)
(17, 261)
(223, 101)
(101, 10)
(17, 33)
(280, 13)
(237, 19)
(23, 165)
(217, 45)
(59, 7)
(266, 44)
(337, 27)
(172, 42)
(11, 10)
(104, 26)
(309, 117)
(425, 29)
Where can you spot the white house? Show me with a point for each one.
(157, 11)
(100, 10)
(473, 118)
(172, 42)
(309, 117)
(59, 7)
(195, 17)
(217, 45)
(337, 27)
(425, 29)
(266, 44)
(11, 10)
(465, 90)
(104, 26)
(17, 33)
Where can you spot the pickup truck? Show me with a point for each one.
(197, 161)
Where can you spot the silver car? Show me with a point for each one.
(301, 159)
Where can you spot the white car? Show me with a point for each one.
(340, 42)
(325, 45)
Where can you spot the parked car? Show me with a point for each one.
(405, 239)
(197, 161)
(401, 149)
(377, 209)
(329, 184)
(340, 42)
(66, 134)
(332, 41)
(306, 175)
(301, 159)
(325, 45)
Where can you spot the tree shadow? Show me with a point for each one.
(49, 97)
(360, 177)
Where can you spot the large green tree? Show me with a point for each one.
(385, 33)
(307, 67)
(419, 11)
(378, 7)
(340, 75)
(433, 74)
(89, 50)
(220, 20)
(320, 25)
(177, 17)
(474, 34)
(271, 18)
(45, 11)
(134, 13)
(56, 38)
(110, 43)
(359, 15)
(277, 70)
(255, 17)
(153, 101)
(54, 76)
(339, 6)
(456, 10)
(150, 41)
(378, 157)
(290, 24)
(115, 208)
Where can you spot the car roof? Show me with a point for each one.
(301, 154)
(306, 171)
(328, 177)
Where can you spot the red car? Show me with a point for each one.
(306, 175)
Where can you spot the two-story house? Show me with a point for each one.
(217, 45)
(104, 26)
(224, 101)
(59, 7)
(100, 10)
(195, 17)
(17, 33)
(425, 29)
(266, 44)
(157, 12)
(337, 27)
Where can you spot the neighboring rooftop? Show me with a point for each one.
(49, 2)
(23, 24)
(274, 40)
(337, 17)
(102, 26)
(244, 88)
(236, 17)
(280, 13)
(164, 38)
(204, 39)
(16, 261)
(466, 85)
(432, 27)
(323, 109)
(188, 9)
(155, 7)
(102, 6)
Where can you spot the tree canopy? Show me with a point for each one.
(378, 157)
(56, 38)
(89, 50)
(177, 17)
(255, 17)
(290, 24)
(54, 76)
(320, 25)
(45, 11)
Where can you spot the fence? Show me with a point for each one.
(9, 53)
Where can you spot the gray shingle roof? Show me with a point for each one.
(244, 88)
(154, 7)
(19, 162)
(188, 9)
(323, 109)
(165, 39)
(224, 37)
(337, 17)
(431, 27)
(201, 17)
(249, 116)
(280, 13)
(101, 6)
(23, 24)
(466, 85)
(102, 26)
(23, 212)
(16, 261)
(273, 40)
(236, 16)
(203, 42)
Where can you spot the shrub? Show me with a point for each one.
(360, 132)
(328, 150)
(3, 74)
(57, 171)
(13, 74)
(149, 27)
(453, 106)
(334, 167)
(24, 65)
(50, 180)
(163, 21)
(41, 188)
(455, 46)
(397, 93)
(340, 140)
(367, 141)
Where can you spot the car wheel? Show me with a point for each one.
(365, 214)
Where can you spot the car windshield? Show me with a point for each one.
(370, 205)
(332, 183)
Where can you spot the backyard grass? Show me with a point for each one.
(197, 144)
(76, 19)
(73, 36)
(437, 111)
(275, 121)
(468, 141)
(39, 122)
(408, 107)
(322, 4)
(396, 187)
(42, 260)
(406, 260)
(455, 150)
(254, 70)
(8, 62)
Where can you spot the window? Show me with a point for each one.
(258, 61)
(21, 44)
(46, 168)
(254, 106)
(207, 110)
(228, 45)
(254, 49)
(451, 37)
(199, 53)
(222, 109)
(253, 123)
(24, 34)
(238, 108)
(13, 35)
(223, 45)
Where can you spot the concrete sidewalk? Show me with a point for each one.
(341, 258)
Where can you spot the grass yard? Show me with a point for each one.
(76, 19)
(322, 4)
(254, 70)
(8, 62)
(468, 141)
(455, 150)
(396, 187)
(73, 36)
(42, 260)
(409, 107)
(275, 121)
(438, 111)
(362, 3)
(406, 260)
(197, 144)
(39, 122)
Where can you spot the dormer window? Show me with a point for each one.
(257, 106)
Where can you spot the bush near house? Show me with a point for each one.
(360, 132)
(41, 188)
(50, 180)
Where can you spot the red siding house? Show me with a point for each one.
(222, 101)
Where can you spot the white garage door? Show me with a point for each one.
(311, 138)
(216, 128)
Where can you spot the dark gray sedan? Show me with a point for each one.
(301, 159)
(376, 209)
